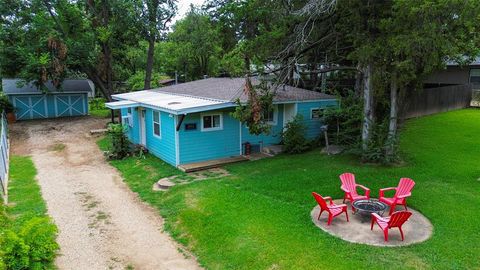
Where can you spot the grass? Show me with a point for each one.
(25, 198)
(259, 218)
(96, 108)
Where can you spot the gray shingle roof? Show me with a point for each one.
(11, 87)
(229, 89)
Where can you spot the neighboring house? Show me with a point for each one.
(455, 74)
(167, 82)
(191, 122)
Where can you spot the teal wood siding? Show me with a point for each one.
(274, 137)
(49, 105)
(197, 145)
(313, 125)
(163, 146)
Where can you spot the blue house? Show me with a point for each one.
(71, 99)
(191, 122)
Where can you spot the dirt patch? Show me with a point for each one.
(102, 224)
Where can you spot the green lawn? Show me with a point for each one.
(27, 234)
(23, 191)
(260, 217)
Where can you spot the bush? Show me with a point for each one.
(32, 247)
(379, 142)
(97, 104)
(5, 104)
(345, 122)
(294, 136)
(120, 146)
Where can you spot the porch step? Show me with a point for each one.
(273, 149)
(198, 166)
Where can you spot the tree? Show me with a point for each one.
(94, 34)
(196, 46)
(155, 14)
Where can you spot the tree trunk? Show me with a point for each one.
(367, 105)
(92, 75)
(149, 67)
(247, 64)
(392, 127)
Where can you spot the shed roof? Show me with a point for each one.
(17, 86)
(229, 89)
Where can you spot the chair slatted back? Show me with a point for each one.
(320, 200)
(405, 186)
(348, 182)
(398, 218)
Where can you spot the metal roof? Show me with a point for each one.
(475, 62)
(17, 86)
(229, 89)
(172, 103)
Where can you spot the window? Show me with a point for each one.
(316, 113)
(212, 122)
(475, 78)
(156, 124)
(270, 116)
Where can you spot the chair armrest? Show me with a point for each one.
(337, 206)
(367, 190)
(382, 190)
(404, 196)
(329, 198)
(378, 217)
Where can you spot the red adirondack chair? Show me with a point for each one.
(332, 209)
(350, 188)
(402, 192)
(395, 220)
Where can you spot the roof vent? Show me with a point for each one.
(173, 103)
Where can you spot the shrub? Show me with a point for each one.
(97, 104)
(32, 247)
(294, 136)
(120, 146)
(379, 142)
(5, 104)
(14, 251)
(39, 234)
(345, 121)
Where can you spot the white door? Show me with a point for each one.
(289, 112)
(141, 120)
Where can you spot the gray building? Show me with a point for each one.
(455, 74)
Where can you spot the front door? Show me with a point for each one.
(141, 120)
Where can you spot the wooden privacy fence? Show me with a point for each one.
(4, 158)
(435, 100)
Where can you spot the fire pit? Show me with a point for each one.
(366, 207)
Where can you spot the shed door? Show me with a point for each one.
(70, 105)
(30, 107)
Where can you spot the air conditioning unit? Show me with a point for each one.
(127, 120)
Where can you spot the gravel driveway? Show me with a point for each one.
(102, 224)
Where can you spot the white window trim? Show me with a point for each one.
(311, 113)
(275, 117)
(212, 128)
(159, 124)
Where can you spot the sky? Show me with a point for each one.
(184, 6)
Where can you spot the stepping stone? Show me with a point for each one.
(162, 185)
(98, 131)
